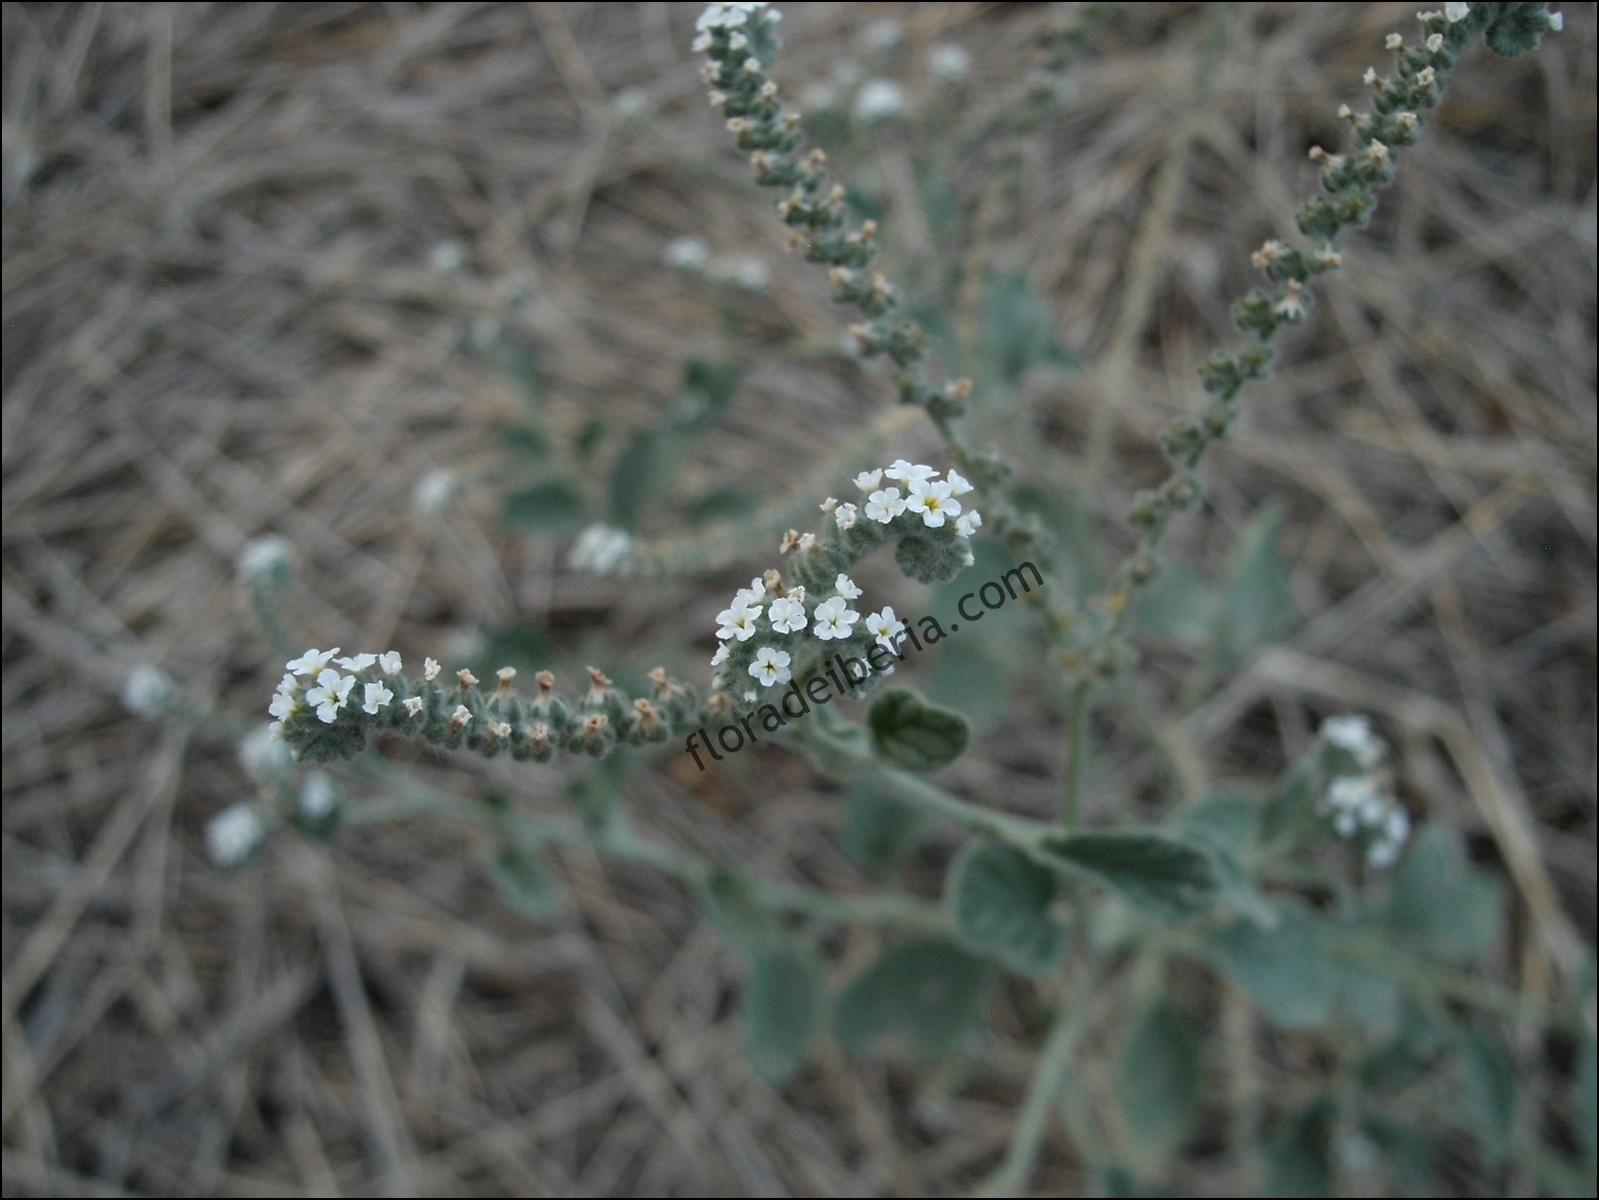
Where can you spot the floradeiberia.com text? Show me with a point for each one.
(839, 679)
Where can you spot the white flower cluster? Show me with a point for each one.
(331, 691)
(264, 559)
(147, 690)
(434, 491)
(925, 494)
(772, 619)
(1359, 804)
(234, 834)
(599, 548)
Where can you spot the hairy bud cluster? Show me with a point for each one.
(323, 714)
(1351, 181)
(740, 43)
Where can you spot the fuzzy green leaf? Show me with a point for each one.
(524, 882)
(1162, 876)
(1440, 903)
(548, 507)
(914, 735)
(636, 479)
(918, 1000)
(1489, 1091)
(1255, 604)
(1299, 1157)
(737, 914)
(1000, 900)
(783, 1007)
(879, 831)
(1160, 1079)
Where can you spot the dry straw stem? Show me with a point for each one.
(241, 334)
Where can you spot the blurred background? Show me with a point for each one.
(429, 290)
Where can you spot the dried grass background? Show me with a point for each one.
(220, 320)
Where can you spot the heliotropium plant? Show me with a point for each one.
(1376, 952)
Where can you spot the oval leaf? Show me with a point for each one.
(1160, 875)
(524, 882)
(544, 508)
(1440, 903)
(1160, 1079)
(782, 1007)
(1000, 900)
(919, 999)
(914, 735)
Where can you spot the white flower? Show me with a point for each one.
(631, 101)
(846, 515)
(1384, 852)
(264, 558)
(316, 797)
(834, 619)
(742, 270)
(883, 506)
(968, 523)
(701, 43)
(1557, 22)
(146, 690)
(949, 61)
(1456, 12)
(599, 548)
(770, 666)
(234, 834)
(909, 472)
(932, 500)
(331, 693)
(817, 97)
(878, 100)
(721, 655)
(883, 34)
(389, 661)
(311, 662)
(1352, 794)
(461, 715)
(885, 627)
(687, 253)
(434, 491)
(846, 587)
(413, 706)
(737, 622)
(1435, 42)
(284, 705)
(430, 669)
(958, 486)
(264, 754)
(377, 696)
(786, 615)
(359, 663)
(1353, 734)
(446, 257)
(868, 481)
(728, 16)
(751, 597)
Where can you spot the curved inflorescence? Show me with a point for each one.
(740, 42)
(1399, 107)
(775, 631)
(324, 713)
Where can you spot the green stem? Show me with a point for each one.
(850, 755)
(1049, 1077)
(263, 602)
(1077, 710)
